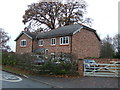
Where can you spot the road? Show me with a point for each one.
(13, 81)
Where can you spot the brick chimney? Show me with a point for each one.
(26, 29)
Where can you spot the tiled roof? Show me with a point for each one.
(29, 34)
(62, 31)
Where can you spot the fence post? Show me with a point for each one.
(94, 69)
(81, 67)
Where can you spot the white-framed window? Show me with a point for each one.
(23, 43)
(64, 40)
(53, 41)
(40, 42)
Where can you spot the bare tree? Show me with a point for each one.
(116, 44)
(51, 15)
(4, 38)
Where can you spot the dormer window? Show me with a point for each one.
(23, 43)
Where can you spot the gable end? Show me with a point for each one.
(22, 34)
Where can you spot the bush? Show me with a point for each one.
(22, 61)
(25, 62)
(55, 69)
(116, 55)
(9, 59)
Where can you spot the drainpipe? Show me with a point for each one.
(32, 45)
(71, 58)
(71, 45)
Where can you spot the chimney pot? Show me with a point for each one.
(26, 29)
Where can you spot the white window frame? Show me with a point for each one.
(52, 41)
(62, 40)
(21, 44)
(40, 43)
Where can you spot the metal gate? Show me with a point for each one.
(104, 70)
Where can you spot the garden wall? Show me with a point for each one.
(107, 61)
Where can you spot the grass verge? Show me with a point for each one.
(16, 70)
(25, 72)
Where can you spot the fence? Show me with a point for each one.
(107, 68)
(104, 70)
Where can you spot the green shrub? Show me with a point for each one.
(26, 62)
(9, 59)
(55, 69)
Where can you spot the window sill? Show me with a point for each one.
(52, 45)
(23, 46)
(40, 45)
(64, 44)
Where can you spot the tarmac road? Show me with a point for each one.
(13, 81)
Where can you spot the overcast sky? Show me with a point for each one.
(104, 13)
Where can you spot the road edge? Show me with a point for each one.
(23, 75)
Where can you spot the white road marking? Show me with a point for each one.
(10, 78)
(25, 76)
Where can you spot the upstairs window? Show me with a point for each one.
(53, 41)
(64, 40)
(23, 43)
(40, 42)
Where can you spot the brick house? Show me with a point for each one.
(76, 39)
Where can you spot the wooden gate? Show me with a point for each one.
(103, 70)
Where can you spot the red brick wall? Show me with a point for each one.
(81, 67)
(85, 44)
(106, 61)
(35, 44)
(27, 49)
(56, 48)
